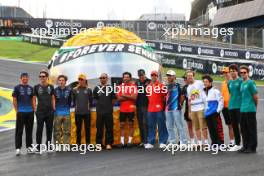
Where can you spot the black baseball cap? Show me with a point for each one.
(141, 72)
(23, 74)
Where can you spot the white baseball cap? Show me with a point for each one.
(171, 73)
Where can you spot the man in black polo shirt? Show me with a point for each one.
(82, 100)
(22, 100)
(104, 95)
(142, 105)
(44, 94)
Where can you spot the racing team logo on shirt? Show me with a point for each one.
(29, 91)
(49, 90)
(21, 91)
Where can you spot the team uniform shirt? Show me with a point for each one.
(225, 93)
(173, 97)
(82, 98)
(44, 96)
(214, 101)
(23, 94)
(63, 101)
(235, 94)
(156, 95)
(248, 89)
(196, 96)
(142, 100)
(127, 89)
(104, 99)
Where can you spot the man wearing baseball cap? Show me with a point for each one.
(156, 93)
(142, 106)
(174, 100)
(225, 111)
(82, 101)
(22, 101)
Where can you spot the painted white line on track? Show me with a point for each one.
(25, 62)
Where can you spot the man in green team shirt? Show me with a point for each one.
(248, 124)
(234, 104)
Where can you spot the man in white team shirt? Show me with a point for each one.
(196, 107)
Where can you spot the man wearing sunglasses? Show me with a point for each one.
(104, 96)
(249, 103)
(44, 95)
(22, 101)
(82, 101)
(156, 93)
(234, 104)
(142, 106)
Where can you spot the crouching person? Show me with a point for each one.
(62, 120)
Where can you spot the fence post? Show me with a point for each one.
(245, 35)
(263, 39)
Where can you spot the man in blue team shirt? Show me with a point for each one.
(62, 121)
(22, 101)
(174, 101)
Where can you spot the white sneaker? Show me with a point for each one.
(30, 150)
(162, 146)
(235, 148)
(149, 146)
(18, 152)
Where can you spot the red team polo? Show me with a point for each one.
(127, 89)
(156, 93)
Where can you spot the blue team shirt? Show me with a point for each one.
(23, 94)
(63, 101)
(173, 97)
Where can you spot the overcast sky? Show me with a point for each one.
(101, 9)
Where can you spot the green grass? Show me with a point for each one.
(33, 52)
(25, 51)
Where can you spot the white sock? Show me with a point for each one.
(130, 139)
(122, 140)
(206, 141)
(232, 141)
(192, 141)
(199, 142)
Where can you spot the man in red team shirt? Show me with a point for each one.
(127, 95)
(156, 93)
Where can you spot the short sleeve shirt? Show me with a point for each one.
(44, 96)
(23, 94)
(235, 94)
(173, 97)
(195, 96)
(127, 89)
(248, 89)
(63, 101)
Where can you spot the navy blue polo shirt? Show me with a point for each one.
(23, 94)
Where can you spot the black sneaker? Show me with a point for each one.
(141, 145)
(129, 145)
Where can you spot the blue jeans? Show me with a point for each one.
(154, 119)
(174, 118)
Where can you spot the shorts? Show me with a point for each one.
(198, 120)
(123, 116)
(226, 116)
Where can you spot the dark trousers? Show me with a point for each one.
(212, 123)
(46, 118)
(235, 121)
(142, 113)
(24, 119)
(79, 118)
(104, 120)
(249, 130)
